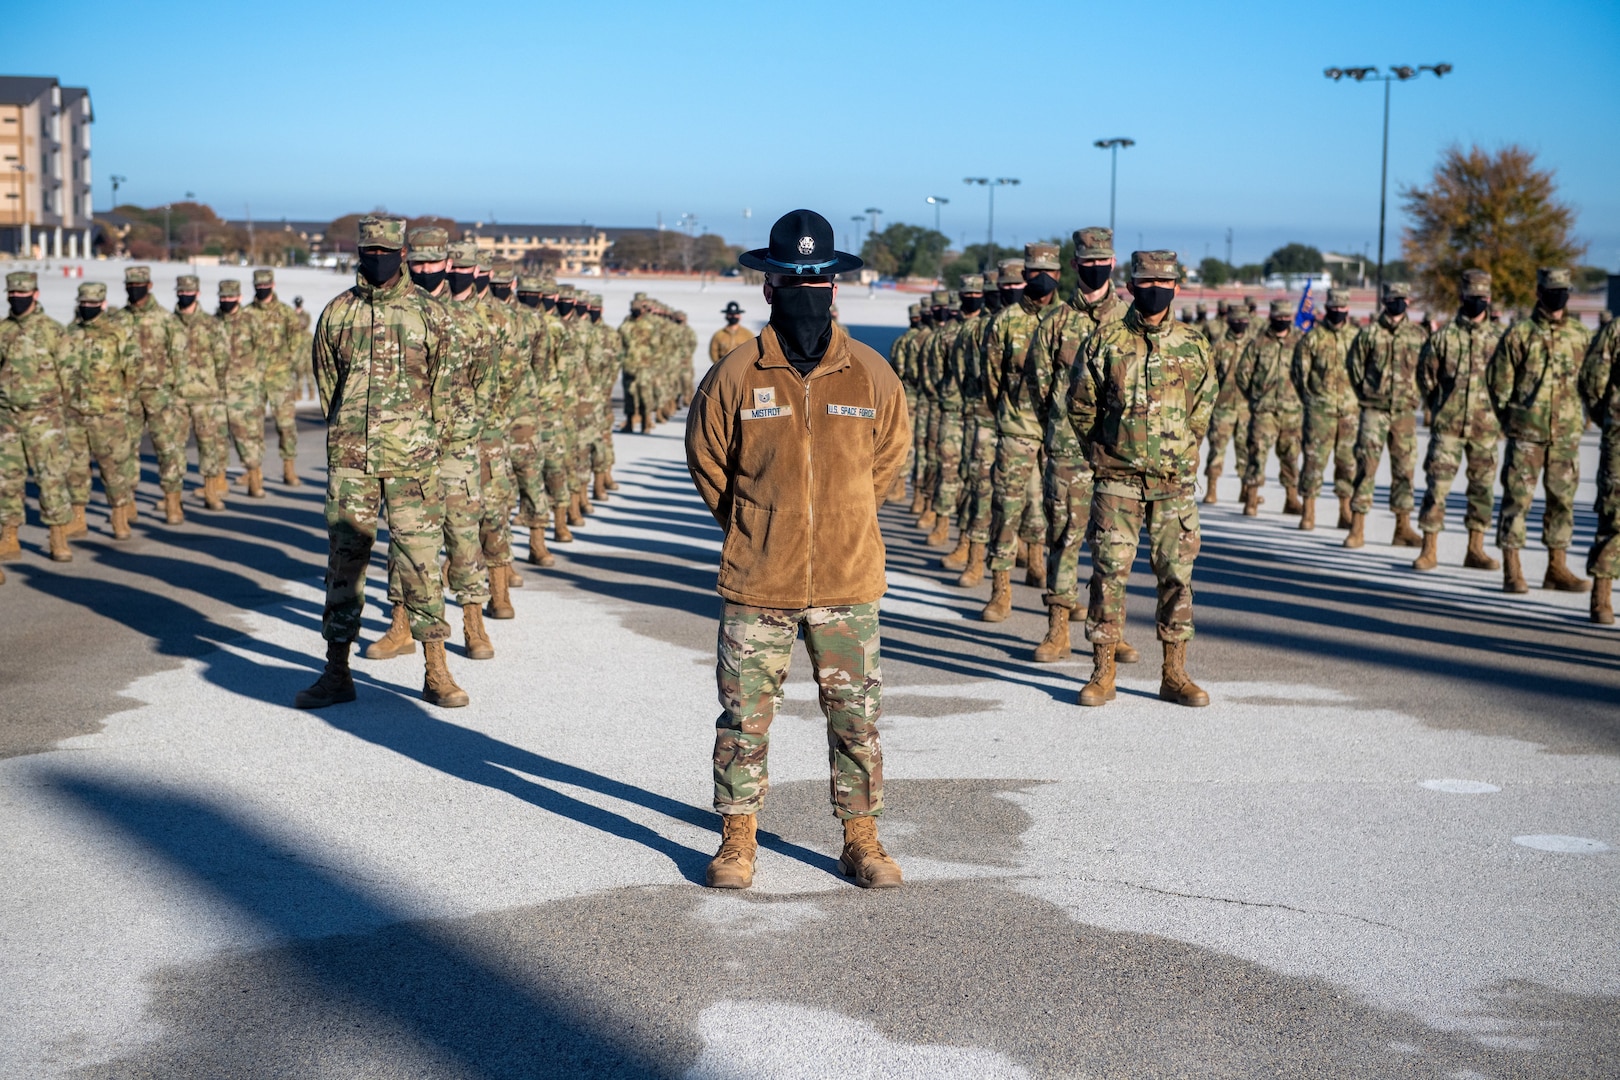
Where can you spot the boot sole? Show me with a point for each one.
(1190, 702)
(452, 701)
(1051, 658)
(486, 653)
(500, 613)
(866, 882)
(387, 654)
(1097, 704)
(306, 702)
(992, 616)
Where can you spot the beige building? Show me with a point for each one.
(45, 201)
(579, 248)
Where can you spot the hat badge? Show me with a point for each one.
(807, 246)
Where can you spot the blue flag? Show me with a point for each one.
(1305, 317)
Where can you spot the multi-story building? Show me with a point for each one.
(45, 207)
(577, 249)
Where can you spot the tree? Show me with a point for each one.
(1248, 274)
(977, 257)
(1484, 211)
(903, 251)
(1294, 259)
(1215, 272)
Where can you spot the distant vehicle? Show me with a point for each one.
(732, 271)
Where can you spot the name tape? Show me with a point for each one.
(852, 410)
(765, 414)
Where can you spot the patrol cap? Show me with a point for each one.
(429, 243)
(264, 277)
(1237, 313)
(1338, 298)
(1040, 255)
(941, 297)
(187, 283)
(953, 299)
(1476, 283)
(565, 291)
(1221, 307)
(548, 286)
(972, 283)
(381, 232)
(1010, 272)
(1282, 309)
(485, 260)
(229, 289)
(1202, 308)
(1154, 266)
(915, 311)
(1397, 290)
(463, 253)
(638, 297)
(92, 292)
(502, 272)
(596, 302)
(1249, 302)
(1549, 277)
(530, 283)
(1094, 242)
(138, 275)
(22, 281)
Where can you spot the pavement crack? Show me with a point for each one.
(1246, 903)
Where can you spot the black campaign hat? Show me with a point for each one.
(731, 308)
(801, 246)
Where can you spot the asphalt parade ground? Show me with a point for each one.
(1390, 847)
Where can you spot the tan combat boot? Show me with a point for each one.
(255, 482)
(289, 473)
(78, 526)
(1405, 535)
(472, 628)
(973, 572)
(221, 490)
(863, 857)
(925, 521)
(60, 552)
(438, 688)
(1512, 575)
(599, 491)
(2, 577)
(559, 519)
(586, 507)
(958, 559)
(1307, 516)
(119, 518)
(1212, 478)
(173, 513)
(132, 510)
(1345, 514)
(538, 555)
(1560, 577)
(397, 642)
(1056, 646)
(1291, 503)
(500, 600)
(941, 535)
(1251, 500)
(1476, 559)
(733, 865)
(575, 517)
(1175, 685)
(918, 501)
(1358, 531)
(1429, 557)
(335, 684)
(1099, 690)
(10, 548)
(1125, 653)
(608, 481)
(513, 581)
(1035, 566)
(1021, 555)
(1000, 605)
(1602, 601)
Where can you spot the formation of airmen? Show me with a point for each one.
(987, 369)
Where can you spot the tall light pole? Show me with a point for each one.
(990, 235)
(168, 242)
(116, 180)
(873, 212)
(859, 220)
(1112, 146)
(936, 202)
(1398, 73)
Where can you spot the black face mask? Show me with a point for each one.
(992, 301)
(137, 293)
(262, 292)
(1010, 295)
(1237, 327)
(185, 302)
(1040, 286)
(20, 304)
(481, 282)
(971, 304)
(461, 281)
(227, 306)
(529, 299)
(549, 303)
(1152, 299)
(427, 279)
(1336, 316)
(596, 316)
(379, 267)
(500, 292)
(1394, 308)
(1093, 278)
(733, 320)
(88, 312)
(801, 315)
(1551, 300)
(565, 307)
(1280, 326)
(927, 321)
(1473, 307)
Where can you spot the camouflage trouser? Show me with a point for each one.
(754, 649)
(599, 450)
(1173, 538)
(207, 419)
(948, 489)
(1558, 466)
(602, 446)
(919, 441)
(552, 444)
(1068, 484)
(1604, 558)
(1440, 468)
(34, 441)
(936, 416)
(1329, 431)
(1224, 423)
(523, 449)
(1378, 428)
(911, 410)
(638, 396)
(981, 500)
(107, 443)
(154, 411)
(1268, 430)
(283, 402)
(78, 475)
(415, 528)
(463, 511)
(1018, 513)
(245, 414)
(499, 496)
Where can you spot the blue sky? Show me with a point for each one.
(615, 112)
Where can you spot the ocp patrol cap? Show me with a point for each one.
(92, 292)
(565, 292)
(429, 243)
(1010, 272)
(972, 283)
(1039, 255)
(22, 281)
(187, 283)
(940, 297)
(486, 260)
(1094, 242)
(915, 311)
(1282, 309)
(230, 289)
(1338, 298)
(502, 272)
(1159, 265)
(1549, 277)
(264, 277)
(463, 254)
(1476, 283)
(381, 232)
(1397, 290)
(531, 283)
(138, 275)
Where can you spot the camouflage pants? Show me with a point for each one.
(936, 416)
(78, 475)
(34, 441)
(603, 444)
(1329, 432)
(155, 412)
(1224, 423)
(981, 500)
(284, 408)
(1268, 430)
(207, 419)
(948, 490)
(415, 509)
(245, 415)
(1018, 513)
(754, 649)
(107, 444)
(1604, 558)
(523, 450)
(551, 444)
(919, 440)
(1399, 431)
(1440, 469)
(463, 512)
(911, 410)
(499, 496)
(638, 396)
(1173, 539)
(1558, 467)
(1067, 486)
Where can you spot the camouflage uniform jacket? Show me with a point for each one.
(1140, 399)
(1224, 354)
(1451, 377)
(279, 336)
(897, 355)
(29, 378)
(919, 364)
(1600, 377)
(378, 351)
(206, 356)
(1263, 373)
(611, 350)
(549, 390)
(99, 363)
(513, 381)
(1051, 360)
(1532, 377)
(944, 376)
(1321, 377)
(1382, 362)
(243, 373)
(640, 343)
(159, 339)
(1014, 333)
(967, 354)
(469, 371)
